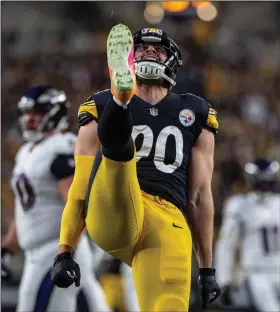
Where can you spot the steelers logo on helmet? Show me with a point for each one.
(156, 70)
(42, 109)
(187, 117)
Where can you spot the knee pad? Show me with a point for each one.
(175, 268)
(171, 303)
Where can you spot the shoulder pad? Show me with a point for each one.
(233, 205)
(200, 106)
(190, 96)
(70, 140)
(63, 143)
(211, 115)
(87, 112)
(92, 107)
(22, 149)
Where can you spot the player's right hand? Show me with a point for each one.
(65, 271)
(6, 273)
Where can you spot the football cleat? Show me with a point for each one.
(120, 57)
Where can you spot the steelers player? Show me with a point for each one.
(149, 198)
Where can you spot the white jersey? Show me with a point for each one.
(38, 205)
(251, 222)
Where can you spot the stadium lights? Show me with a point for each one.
(154, 12)
(196, 4)
(175, 6)
(206, 11)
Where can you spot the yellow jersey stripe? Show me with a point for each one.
(91, 102)
(212, 122)
(88, 108)
(212, 111)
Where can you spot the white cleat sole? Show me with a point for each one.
(119, 46)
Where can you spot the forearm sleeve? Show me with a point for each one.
(73, 222)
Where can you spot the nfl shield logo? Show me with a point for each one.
(154, 111)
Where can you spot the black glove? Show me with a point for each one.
(226, 295)
(65, 271)
(6, 273)
(209, 289)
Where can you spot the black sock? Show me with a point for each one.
(114, 131)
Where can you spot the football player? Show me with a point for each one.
(130, 296)
(253, 222)
(43, 173)
(149, 194)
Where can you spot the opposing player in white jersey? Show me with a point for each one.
(253, 222)
(43, 173)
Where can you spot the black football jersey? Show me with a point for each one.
(164, 135)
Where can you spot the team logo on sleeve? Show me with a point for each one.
(187, 117)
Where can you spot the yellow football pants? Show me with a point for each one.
(145, 231)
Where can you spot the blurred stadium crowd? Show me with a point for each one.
(233, 61)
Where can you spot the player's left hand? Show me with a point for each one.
(6, 273)
(209, 289)
(65, 271)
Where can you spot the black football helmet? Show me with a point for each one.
(263, 175)
(49, 102)
(155, 70)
